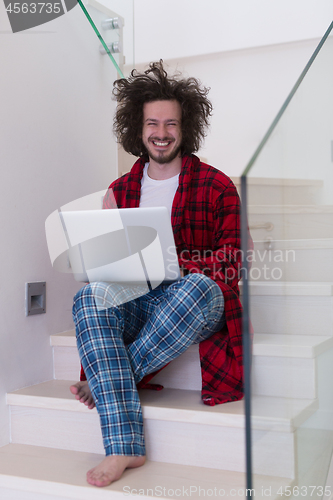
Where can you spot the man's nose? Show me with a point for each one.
(162, 131)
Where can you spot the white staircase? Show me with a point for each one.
(192, 448)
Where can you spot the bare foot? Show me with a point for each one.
(82, 393)
(111, 469)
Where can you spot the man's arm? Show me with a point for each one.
(223, 261)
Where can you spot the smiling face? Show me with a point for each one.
(161, 130)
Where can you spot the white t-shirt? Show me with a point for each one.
(157, 193)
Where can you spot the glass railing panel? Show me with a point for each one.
(290, 215)
(125, 9)
(112, 21)
(113, 25)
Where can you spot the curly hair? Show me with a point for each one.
(155, 85)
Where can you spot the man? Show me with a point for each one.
(163, 121)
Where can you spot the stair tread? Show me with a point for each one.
(298, 346)
(289, 209)
(64, 339)
(297, 244)
(268, 181)
(62, 472)
(305, 346)
(288, 288)
(280, 414)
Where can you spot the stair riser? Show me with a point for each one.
(166, 441)
(272, 376)
(183, 373)
(299, 265)
(277, 195)
(292, 226)
(284, 377)
(303, 315)
(15, 494)
(221, 448)
(66, 363)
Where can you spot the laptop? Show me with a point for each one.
(127, 245)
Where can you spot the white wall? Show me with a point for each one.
(185, 28)
(301, 144)
(250, 53)
(248, 87)
(56, 145)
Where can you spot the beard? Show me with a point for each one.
(163, 157)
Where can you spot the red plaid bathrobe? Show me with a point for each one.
(206, 225)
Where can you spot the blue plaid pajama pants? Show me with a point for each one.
(119, 345)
